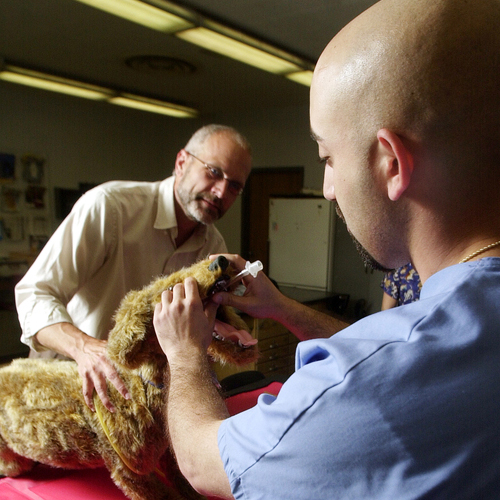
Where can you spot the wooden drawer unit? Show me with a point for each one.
(277, 347)
(280, 366)
(273, 342)
(273, 354)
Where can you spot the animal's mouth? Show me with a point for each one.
(223, 331)
(219, 285)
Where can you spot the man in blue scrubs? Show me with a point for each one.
(404, 404)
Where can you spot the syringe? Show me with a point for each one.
(250, 268)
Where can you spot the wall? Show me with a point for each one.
(86, 141)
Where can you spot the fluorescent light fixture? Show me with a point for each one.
(235, 49)
(187, 24)
(15, 74)
(31, 78)
(302, 77)
(153, 106)
(142, 13)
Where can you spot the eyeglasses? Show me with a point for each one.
(216, 174)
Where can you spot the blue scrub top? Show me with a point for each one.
(402, 404)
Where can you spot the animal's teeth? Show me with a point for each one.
(217, 336)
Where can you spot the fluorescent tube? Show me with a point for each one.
(142, 13)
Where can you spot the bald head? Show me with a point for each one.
(405, 107)
(428, 69)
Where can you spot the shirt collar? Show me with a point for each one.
(166, 219)
(165, 214)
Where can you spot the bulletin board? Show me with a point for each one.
(24, 207)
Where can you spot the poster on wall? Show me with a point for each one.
(35, 197)
(13, 227)
(33, 168)
(7, 167)
(24, 206)
(10, 199)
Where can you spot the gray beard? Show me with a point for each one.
(193, 211)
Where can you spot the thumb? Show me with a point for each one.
(230, 299)
(211, 311)
(225, 299)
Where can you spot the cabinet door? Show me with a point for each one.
(261, 185)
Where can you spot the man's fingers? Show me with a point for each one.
(178, 291)
(211, 311)
(112, 375)
(96, 381)
(88, 393)
(191, 288)
(115, 379)
(225, 299)
(102, 391)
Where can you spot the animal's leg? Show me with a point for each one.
(12, 464)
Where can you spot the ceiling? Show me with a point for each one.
(72, 39)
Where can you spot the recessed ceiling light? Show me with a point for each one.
(157, 64)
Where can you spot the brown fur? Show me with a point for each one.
(43, 416)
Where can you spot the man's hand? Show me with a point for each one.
(94, 368)
(90, 355)
(261, 299)
(181, 324)
(194, 409)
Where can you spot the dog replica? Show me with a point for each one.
(44, 418)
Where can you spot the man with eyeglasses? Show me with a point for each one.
(207, 180)
(118, 237)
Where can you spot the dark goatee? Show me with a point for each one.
(368, 260)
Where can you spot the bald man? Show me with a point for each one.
(117, 238)
(403, 404)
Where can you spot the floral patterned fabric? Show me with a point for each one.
(402, 284)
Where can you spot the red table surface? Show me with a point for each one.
(47, 483)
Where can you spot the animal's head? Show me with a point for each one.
(132, 341)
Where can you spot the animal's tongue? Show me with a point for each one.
(228, 332)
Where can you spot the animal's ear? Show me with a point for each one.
(124, 349)
(219, 262)
(130, 331)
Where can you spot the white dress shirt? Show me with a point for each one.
(118, 237)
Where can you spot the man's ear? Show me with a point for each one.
(180, 161)
(397, 162)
